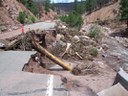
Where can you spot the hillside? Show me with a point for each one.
(66, 7)
(9, 10)
(105, 13)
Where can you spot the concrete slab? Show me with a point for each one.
(116, 90)
(122, 78)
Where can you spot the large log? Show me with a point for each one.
(42, 50)
(13, 44)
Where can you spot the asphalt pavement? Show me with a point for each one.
(15, 82)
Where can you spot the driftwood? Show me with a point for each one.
(67, 48)
(42, 50)
(13, 44)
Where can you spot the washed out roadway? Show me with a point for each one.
(47, 25)
(15, 82)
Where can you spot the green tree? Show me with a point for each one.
(79, 7)
(73, 19)
(124, 10)
(31, 6)
(90, 5)
(47, 5)
(21, 17)
(32, 19)
(76, 5)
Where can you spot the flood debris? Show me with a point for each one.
(65, 43)
(42, 50)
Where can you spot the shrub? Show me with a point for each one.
(73, 19)
(32, 19)
(94, 52)
(94, 32)
(21, 17)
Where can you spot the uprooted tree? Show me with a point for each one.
(124, 10)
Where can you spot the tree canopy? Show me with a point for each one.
(124, 9)
(47, 5)
(31, 6)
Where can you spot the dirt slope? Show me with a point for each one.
(107, 12)
(10, 10)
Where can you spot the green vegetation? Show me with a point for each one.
(31, 6)
(79, 7)
(124, 10)
(73, 19)
(47, 5)
(90, 5)
(21, 18)
(32, 19)
(94, 32)
(24, 18)
(94, 52)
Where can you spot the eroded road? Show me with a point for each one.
(15, 82)
(41, 26)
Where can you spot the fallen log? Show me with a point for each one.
(13, 44)
(42, 50)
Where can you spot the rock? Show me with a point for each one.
(105, 47)
(84, 37)
(76, 38)
(14, 27)
(59, 37)
(10, 29)
(2, 45)
(3, 28)
(59, 43)
(63, 26)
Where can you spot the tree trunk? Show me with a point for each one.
(49, 55)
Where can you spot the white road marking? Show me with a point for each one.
(49, 91)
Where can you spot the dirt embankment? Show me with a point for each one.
(9, 10)
(105, 13)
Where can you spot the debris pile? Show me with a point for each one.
(64, 42)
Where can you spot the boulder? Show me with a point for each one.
(2, 45)
(3, 28)
(76, 38)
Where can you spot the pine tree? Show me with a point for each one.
(76, 5)
(124, 10)
(47, 5)
(90, 5)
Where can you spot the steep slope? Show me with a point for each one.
(10, 10)
(107, 12)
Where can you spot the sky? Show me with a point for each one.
(62, 1)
